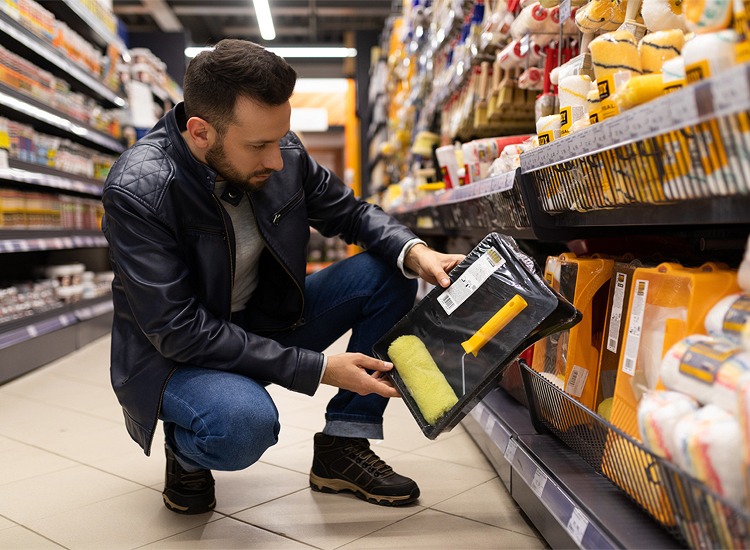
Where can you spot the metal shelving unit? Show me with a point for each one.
(29, 342)
(570, 505)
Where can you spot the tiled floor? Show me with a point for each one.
(70, 477)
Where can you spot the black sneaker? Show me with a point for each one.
(348, 464)
(187, 492)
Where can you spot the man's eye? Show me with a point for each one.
(258, 147)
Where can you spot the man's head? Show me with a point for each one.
(237, 104)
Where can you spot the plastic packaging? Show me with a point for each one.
(730, 317)
(475, 328)
(658, 414)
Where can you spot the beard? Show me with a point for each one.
(216, 158)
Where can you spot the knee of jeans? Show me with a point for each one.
(249, 433)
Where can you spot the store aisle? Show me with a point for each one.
(71, 478)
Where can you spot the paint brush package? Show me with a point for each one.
(452, 348)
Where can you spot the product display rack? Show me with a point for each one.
(29, 342)
(610, 179)
(569, 505)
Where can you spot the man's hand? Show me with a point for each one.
(347, 371)
(430, 265)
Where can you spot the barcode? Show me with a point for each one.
(573, 378)
(612, 344)
(629, 365)
(447, 301)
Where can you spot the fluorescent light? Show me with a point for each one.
(306, 119)
(322, 85)
(265, 23)
(311, 52)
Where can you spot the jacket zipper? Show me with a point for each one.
(279, 214)
(288, 206)
(229, 251)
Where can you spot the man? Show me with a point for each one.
(208, 220)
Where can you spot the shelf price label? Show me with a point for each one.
(730, 94)
(538, 483)
(577, 525)
(510, 450)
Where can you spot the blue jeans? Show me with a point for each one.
(225, 421)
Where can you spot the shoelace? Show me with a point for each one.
(372, 462)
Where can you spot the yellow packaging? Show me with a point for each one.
(573, 355)
(566, 119)
(666, 303)
(546, 137)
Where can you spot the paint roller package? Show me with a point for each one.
(452, 348)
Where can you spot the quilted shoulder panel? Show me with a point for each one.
(143, 171)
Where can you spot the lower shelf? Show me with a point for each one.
(38, 343)
(570, 504)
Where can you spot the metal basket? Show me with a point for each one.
(709, 159)
(684, 506)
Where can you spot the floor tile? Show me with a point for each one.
(227, 534)
(21, 538)
(503, 511)
(66, 489)
(21, 461)
(5, 523)
(460, 449)
(439, 480)
(435, 530)
(323, 520)
(255, 485)
(122, 522)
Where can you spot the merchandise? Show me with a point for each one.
(657, 47)
(729, 318)
(709, 446)
(495, 308)
(658, 414)
(431, 391)
(707, 369)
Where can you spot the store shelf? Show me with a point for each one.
(567, 501)
(29, 240)
(44, 176)
(45, 52)
(37, 112)
(491, 203)
(45, 337)
(79, 18)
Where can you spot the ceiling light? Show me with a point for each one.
(265, 23)
(321, 85)
(311, 52)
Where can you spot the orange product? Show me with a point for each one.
(666, 304)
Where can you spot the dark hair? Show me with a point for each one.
(214, 80)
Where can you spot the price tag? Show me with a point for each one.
(683, 109)
(577, 525)
(489, 424)
(564, 11)
(731, 93)
(64, 321)
(510, 450)
(477, 411)
(538, 483)
(32, 331)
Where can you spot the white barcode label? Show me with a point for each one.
(468, 283)
(510, 450)
(576, 381)
(615, 317)
(577, 525)
(538, 483)
(633, 338)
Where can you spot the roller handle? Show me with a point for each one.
(496, 323)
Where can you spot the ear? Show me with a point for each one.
(201, 133)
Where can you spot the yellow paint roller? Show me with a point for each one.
(489, 330)
(427, 385)
(496, 323)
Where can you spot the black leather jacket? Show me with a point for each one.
(172, 249)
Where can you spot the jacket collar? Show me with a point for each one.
(175, 123)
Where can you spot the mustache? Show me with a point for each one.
(262, 173)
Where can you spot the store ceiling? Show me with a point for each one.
(297, 22)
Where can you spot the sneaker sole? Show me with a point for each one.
(174, 507)
(325, 485)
